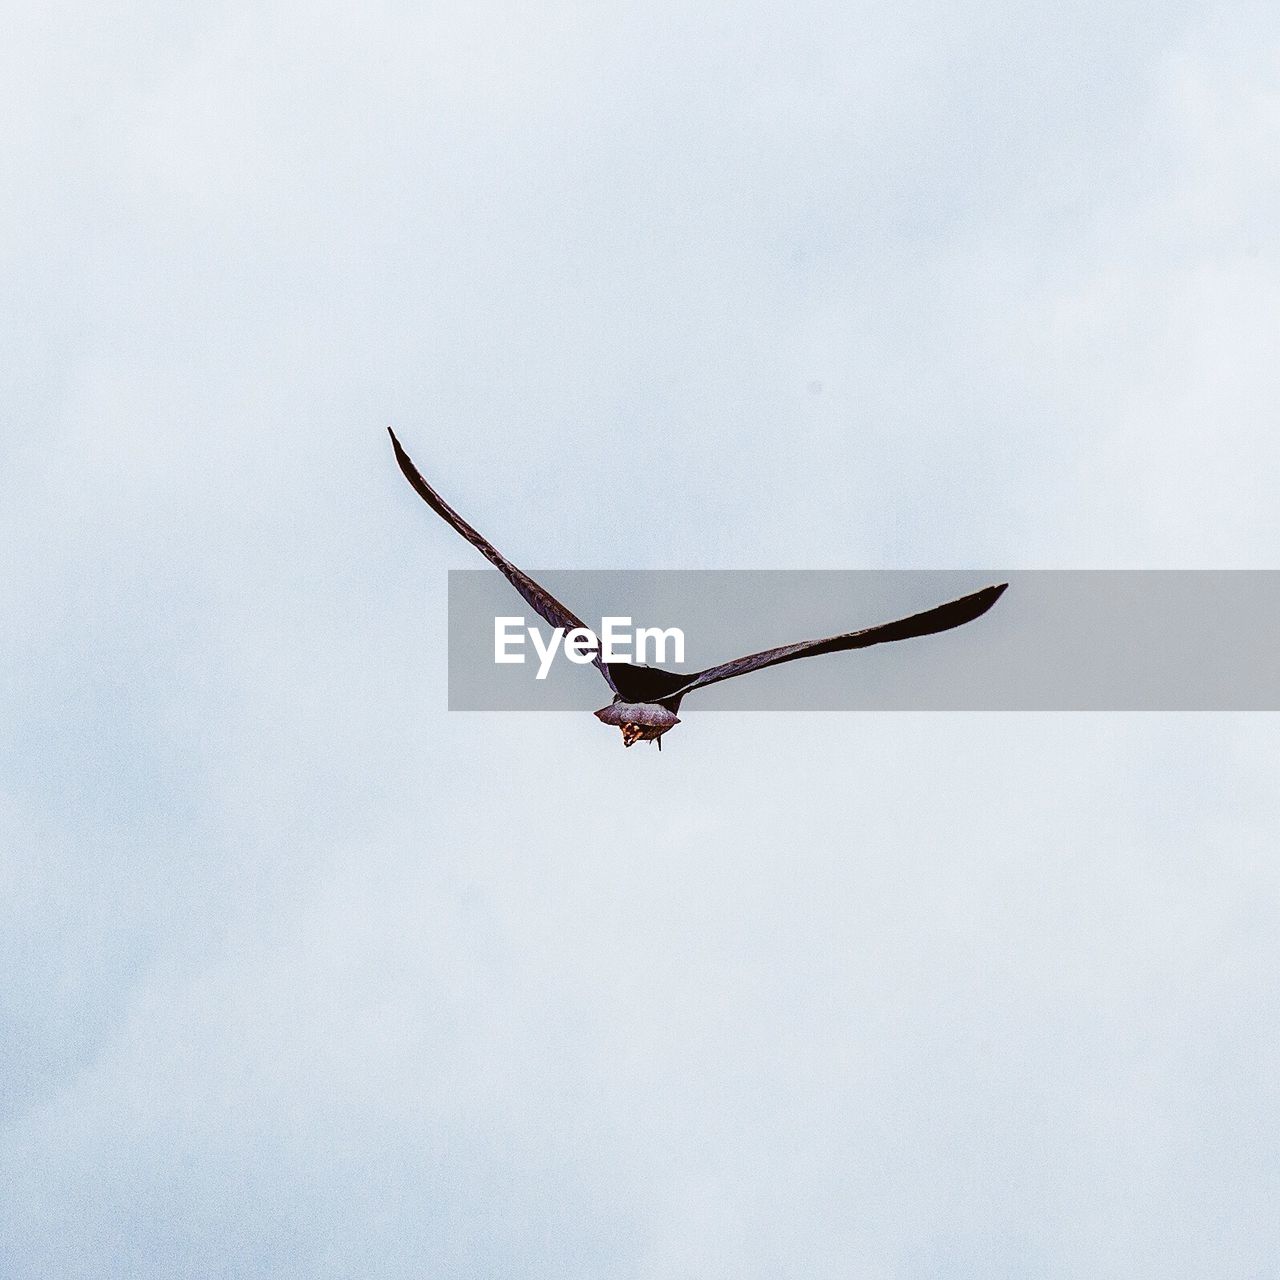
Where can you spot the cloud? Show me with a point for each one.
(305, 975)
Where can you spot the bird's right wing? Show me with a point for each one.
(541, 601)
(954, 614)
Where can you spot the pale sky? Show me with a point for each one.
(306, 976)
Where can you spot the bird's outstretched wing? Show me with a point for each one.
(943, 618)
(541, 601)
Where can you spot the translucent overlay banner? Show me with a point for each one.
(1071, 640)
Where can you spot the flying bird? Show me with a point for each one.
(646, 699)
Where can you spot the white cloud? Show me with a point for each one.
(308, 977)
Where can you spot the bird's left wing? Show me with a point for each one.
(954, 614)
(543, 603)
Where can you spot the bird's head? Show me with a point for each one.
(639, 721)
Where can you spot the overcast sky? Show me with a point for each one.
(303, 975)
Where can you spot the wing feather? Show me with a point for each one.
(540, 600)
(942, 618)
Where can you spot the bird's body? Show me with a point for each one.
(639, 721)
(646, 699)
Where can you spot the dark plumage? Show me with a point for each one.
(646, 699)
